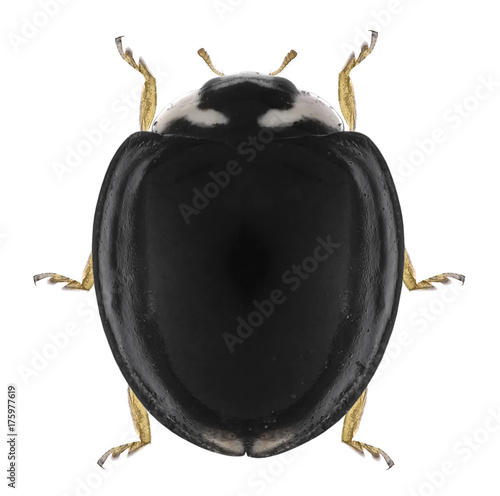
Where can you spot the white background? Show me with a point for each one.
(434, 405)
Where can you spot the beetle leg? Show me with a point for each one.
(410, 280)
(148, 96)
(351, 425)
(87, 278)
(346, 89)
(141, 425)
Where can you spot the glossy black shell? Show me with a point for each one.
(171, 292)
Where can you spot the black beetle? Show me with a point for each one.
(248, 258)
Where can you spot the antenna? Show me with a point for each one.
(289, 57)
(204, 55)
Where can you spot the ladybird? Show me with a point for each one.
(248, 258)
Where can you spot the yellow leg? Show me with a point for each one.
(148, 97)
(346, 89)
(351, 425)
(146, 116)
(141, 425)
(410, 280)
(87, 278)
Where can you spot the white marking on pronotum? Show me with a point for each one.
(187, 107)
(305, 106)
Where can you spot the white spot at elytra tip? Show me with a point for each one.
(228, 442)
(270, 441)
